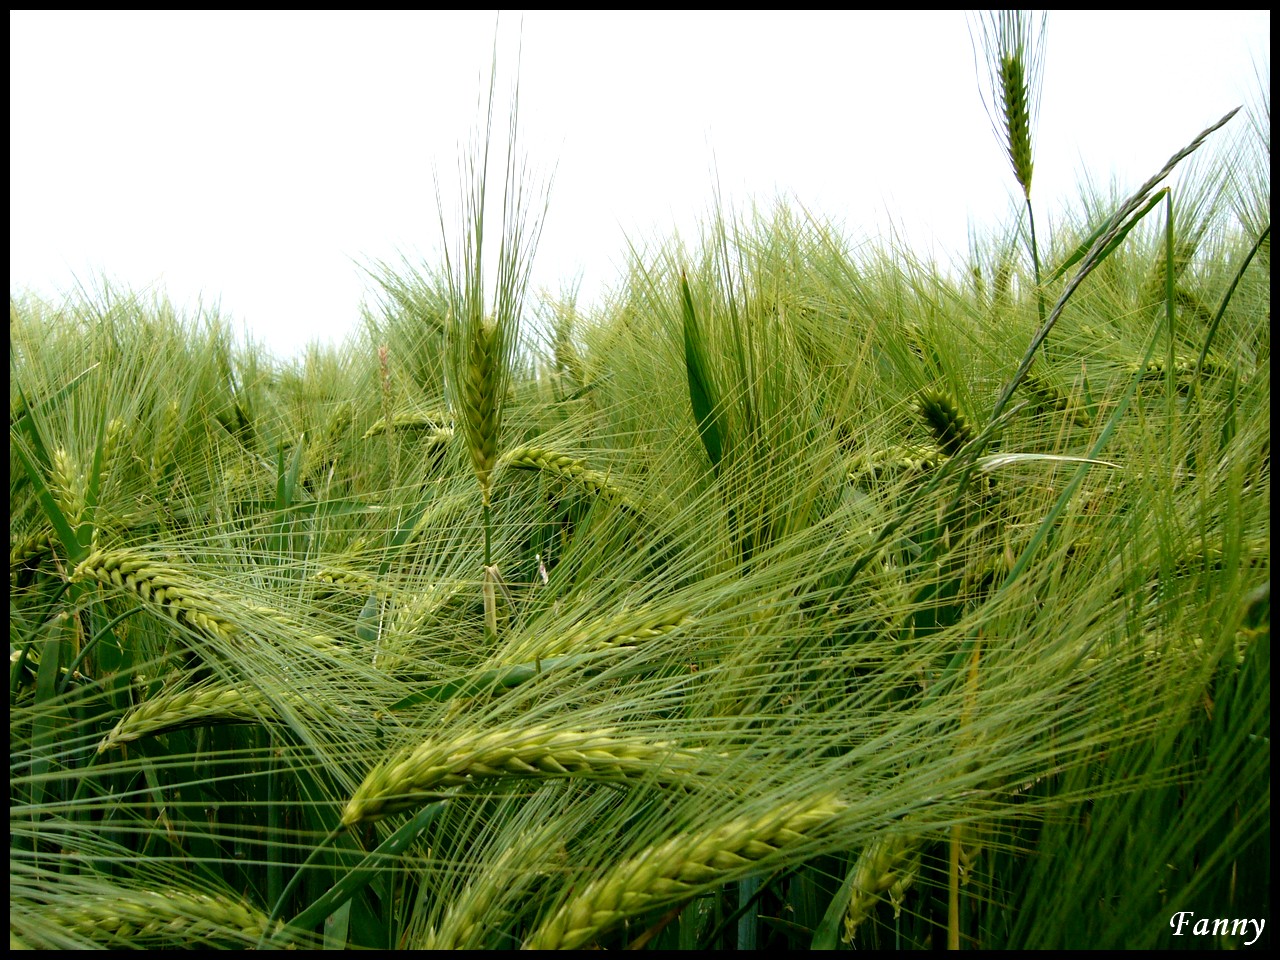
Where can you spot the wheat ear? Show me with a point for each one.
(676, 869)
(418, 774)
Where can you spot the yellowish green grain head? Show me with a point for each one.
(675, 870)
(483, 389)
(483, 326)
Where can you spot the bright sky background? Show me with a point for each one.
(258, 160)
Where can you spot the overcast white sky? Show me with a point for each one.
(258, 159)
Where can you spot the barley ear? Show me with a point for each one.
(482, 402)
(602, 633)
(504, 879)
(164, 587)
(1017, 113)
(946, 421)
(162, 917)
(418, 774)
(166, 441)
(197, 704)
(29, 550)
(567, 468)
(67, 483)
(886, 866)
(1015, 57)
(677, 869)
(482, 341)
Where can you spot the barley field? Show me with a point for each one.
(804, 595)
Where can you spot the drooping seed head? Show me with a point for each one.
(417, 775)
(675, 870)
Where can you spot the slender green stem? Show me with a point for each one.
(1035, 260)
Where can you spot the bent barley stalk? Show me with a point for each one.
(417, 775)
(169, 916)
(566, 467)
(191, 706)
(162, 586)
(618, 630)
(505, 878)
(888, 865)
(677, 869)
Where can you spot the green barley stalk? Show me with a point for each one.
(418, 774)
(678, 868)
(885, 866)
(197, 704)
(567, 468)
(161, 917)
(615, 630)
(173, 592)
(1015, 58)
(482, 342)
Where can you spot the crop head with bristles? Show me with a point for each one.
(1015, 56)
(483, 341)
